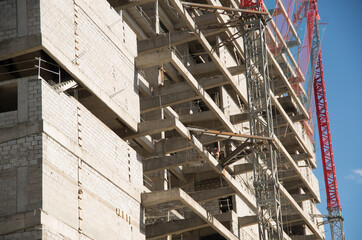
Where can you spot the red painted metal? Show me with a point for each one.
(251, 3)
(325, 137)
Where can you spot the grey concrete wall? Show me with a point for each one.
(90, 187)
(88, 38)
(8, 27)
(93, 38)
(19, 18)
(19, 26)
(85, 190)
(8, 118)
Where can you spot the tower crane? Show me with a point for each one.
(252, 25)
(334, 217)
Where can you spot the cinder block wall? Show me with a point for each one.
(84, 185)
(19, 18)
(92, 38)
(92, 179)
(88, 39)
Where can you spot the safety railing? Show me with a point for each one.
(36, 66)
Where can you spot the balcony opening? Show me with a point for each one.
(8, 97)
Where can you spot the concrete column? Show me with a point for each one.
(157, 19)
(23, 103)
(21, 17)
(21, 187)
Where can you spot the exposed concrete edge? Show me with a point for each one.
(153, 198)
(20, 130)
(63, 61)
(300, 211)
(153, 127)
(157, 58)
(201, 91)
(291, 125)
(41, 126)
(157, 230)
(295, 167)
(19, 221)
(159, 163)
(20, 45)
(83, 4)
(285, 80)
(88, 158)
(202, 39)
(207, 195)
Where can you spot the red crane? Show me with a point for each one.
(334, 218)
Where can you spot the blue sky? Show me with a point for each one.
(342, 62)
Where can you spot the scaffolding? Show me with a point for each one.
(261, 124)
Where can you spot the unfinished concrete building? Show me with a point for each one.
(126, 119)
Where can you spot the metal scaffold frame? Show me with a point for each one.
(261, 124)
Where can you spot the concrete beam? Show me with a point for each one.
(210, 69)
(288, 219)
(300, 157)
(207, 195)
(178, 144)
(177, 171)
(243, 193)
(243, 168)
(161, 101)
(172, 72)
(19, 221)
(247, 221)
(167, 162)
(302, 197)
(124, 4)
(287, 174)
(291, 126)
(234, 154)
(134, 25)
(207, 116)
(165, 17)
(187, 19)
(177, 194)
(156, 126)
(197, 117)
(204, 95)
(303, 237)
(159, 230)
(153, 59)
(20, 130)
(184, 86)
(170, 39)
(295, 167)
(146, 143)
(144, 86)
(17, 46)
(301, 214)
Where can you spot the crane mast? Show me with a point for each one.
(334, 218)
(261, 123)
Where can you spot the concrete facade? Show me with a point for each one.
(59, 174)
(99, 105)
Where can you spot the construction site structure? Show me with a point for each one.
(264, 157)
(157, 119)
(334, 217)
